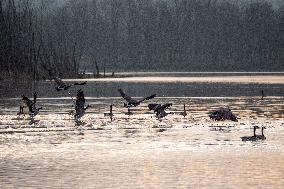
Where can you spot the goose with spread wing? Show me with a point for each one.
(33, 110)
(160, 109)
(130, 102)
(61, 85)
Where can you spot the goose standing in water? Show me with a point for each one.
(130, 102)
(223, 114)
(159, 109)
(80, 105)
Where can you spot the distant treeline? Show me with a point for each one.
(139, 35)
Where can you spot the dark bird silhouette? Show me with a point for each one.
(255, 137)
(159, 109)
(33, 110)
(61, 85)
(223, 114)
(80, 105)
(132, 102)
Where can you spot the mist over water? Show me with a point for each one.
(163, 87)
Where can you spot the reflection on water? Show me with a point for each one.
(163, 87)
(132, 152)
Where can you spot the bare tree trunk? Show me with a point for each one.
(75, 64)
(97, 68)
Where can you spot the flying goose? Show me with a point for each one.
(132, 102)
(61, 85)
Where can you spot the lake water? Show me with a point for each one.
(179, 86)
(139, 151)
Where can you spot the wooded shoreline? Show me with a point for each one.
(183, 35)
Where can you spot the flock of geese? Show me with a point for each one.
(158, 109)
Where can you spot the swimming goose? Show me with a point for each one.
(255, 137)
(261, 137)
